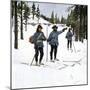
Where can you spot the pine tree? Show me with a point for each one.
(78, 20)
(63, 20)
(83, 22)
(38, 13)
(72, 20)
(33, 10)
(26, 15)
(21, 14)
(52, 18)
(56, 19)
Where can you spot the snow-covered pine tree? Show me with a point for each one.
(33, 9)
(26, 15)
(20, 11)
(38, 13)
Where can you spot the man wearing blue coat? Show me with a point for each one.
(53, 41)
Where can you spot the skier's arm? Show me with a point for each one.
(59, 32)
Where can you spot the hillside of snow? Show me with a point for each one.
(71, 69)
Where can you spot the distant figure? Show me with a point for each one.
(69, 36)
(53, 41)
(38, 39)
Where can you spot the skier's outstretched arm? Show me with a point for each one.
(59, 32)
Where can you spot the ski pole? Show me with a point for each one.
(47, 42)
(74, 47)
(32, 60)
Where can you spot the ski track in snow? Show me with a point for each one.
(69, 70)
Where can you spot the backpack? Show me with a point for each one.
(31, 40)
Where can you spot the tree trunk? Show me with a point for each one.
(26, 25)
(76, 34)
(12, 13)
(21, 22)
(16, 28)
(86, 22)
(81, 24)
(86, 26)
(33, 14)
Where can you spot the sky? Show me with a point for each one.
(47, 8)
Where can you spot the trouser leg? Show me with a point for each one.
(41, 54)
(55, 51)
(36, 54)
(70, 43)
(51, 53)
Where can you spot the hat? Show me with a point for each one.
(39, 26)
(54, 27)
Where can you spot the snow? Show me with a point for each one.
(35, 20)
(71, 69)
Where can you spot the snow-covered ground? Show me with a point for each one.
(71, 69)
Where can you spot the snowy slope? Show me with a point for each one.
(41, 20)
(70, 70)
